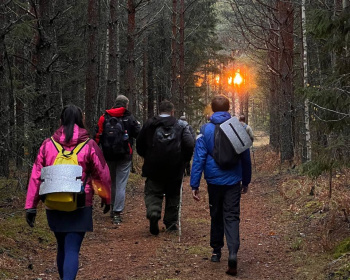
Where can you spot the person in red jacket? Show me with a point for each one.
(70, 227)
(119, 162)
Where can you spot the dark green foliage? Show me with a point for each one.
(342, 248)
(329, 88)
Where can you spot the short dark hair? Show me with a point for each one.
(166, 107)
(220, 103)
(242, 118)
(121, 100)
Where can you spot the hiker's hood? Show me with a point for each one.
(117, 112)
(166, 121)
(79, 135)
(220, 117)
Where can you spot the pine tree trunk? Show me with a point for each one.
(130, 70)
(286, 44)
(150, 95)
(273, 96)
(246, 107)
(92, 65)
(144, 79)
(43, 107)
(113, 56)
(181, 107)
(4, 114)
(174, 72)
(19, 77)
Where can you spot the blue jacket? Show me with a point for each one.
(203, 161)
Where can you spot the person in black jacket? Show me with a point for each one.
(164, 170)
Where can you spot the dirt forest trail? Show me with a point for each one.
(129, 251)
(278, 240)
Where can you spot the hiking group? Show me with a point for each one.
(70, 168)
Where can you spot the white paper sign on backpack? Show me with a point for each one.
(61, 178)
(237, 134)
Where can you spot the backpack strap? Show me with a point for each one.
(59, 147)
(81, 145)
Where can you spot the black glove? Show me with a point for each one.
(30, 216)
(107, 206)
(244, 189)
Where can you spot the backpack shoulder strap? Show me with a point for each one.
(57, 145)
(81, 145)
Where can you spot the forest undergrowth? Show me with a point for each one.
(290, 229)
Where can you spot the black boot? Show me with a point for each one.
(153, 226)
(232, 265)
(216, 255)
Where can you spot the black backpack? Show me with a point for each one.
(114, 141)
(166, 145)
(223, 153)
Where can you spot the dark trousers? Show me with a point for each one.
(224, 202)
(188, 169)
(154, 194)
(68, 247)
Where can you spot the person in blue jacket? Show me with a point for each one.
(224, 186)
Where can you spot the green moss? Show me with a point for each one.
(198, 250)
(342, 248)
(197, 221)
(296, 245)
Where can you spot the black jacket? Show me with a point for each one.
(144, 143)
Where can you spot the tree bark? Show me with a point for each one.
(306, 84)
(43, 106)
(92, 65)
(4, 114)
(286, 44)
(144, 79)
(174, 72)
(274, 100)
(150, 92)
(113, 55)
(130, 70)
(181, 107)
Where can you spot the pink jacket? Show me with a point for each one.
(90, 158)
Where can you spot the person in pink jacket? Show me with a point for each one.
(70, 227)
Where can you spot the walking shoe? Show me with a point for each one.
(215, 257)
(153, 226)
(232, 265)
(117, 219)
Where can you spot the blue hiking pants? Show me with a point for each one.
(68, 247)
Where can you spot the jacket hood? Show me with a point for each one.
(166, 121)
(117, 111)
(79, 135)
(220, 117)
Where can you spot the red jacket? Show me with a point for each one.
(114, 112)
